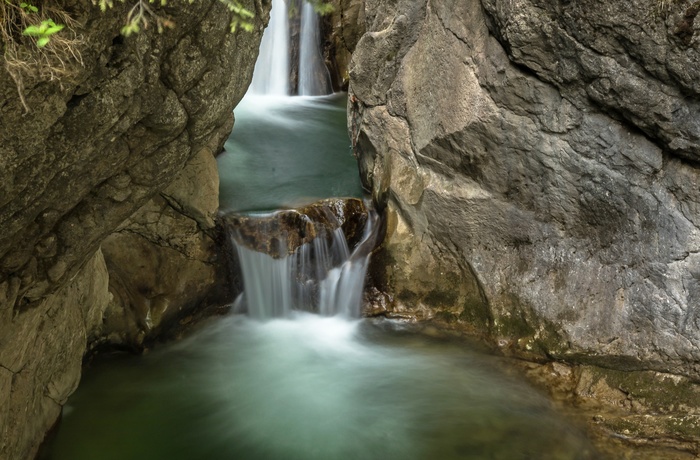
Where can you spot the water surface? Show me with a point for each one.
(305, 387)
(309, 387)
(287, 151)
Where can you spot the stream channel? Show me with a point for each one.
(304, 386)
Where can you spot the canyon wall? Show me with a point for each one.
(546, 152)
(537, 164)
(108, 189)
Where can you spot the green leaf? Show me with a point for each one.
(28, 7)
(56, 28)
(42, 42)
(32, 30)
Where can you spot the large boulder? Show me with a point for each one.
(41, 354)
(163, 260)
(537, 164)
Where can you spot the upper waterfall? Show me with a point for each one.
(314, 78)
(275, 66)
(271, 75)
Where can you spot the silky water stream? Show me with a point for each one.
(283, 384)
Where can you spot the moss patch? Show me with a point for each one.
(661, 393)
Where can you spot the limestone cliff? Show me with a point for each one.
(538, 166)
(134, 128)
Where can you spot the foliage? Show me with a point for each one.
(321, 7)
(39, 42)
(43, 31)
(29, 8)
(142, 14)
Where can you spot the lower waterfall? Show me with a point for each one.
(323, 276)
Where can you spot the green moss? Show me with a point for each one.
(626, 426)
(527, 332)
(438, 298)
(476, 312)
(685, 426)
(408, 297)
(514, 325)
(660, 392)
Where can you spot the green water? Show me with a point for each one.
(287, 151)
(309, 388)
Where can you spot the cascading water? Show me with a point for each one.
(271, 75)
(272, 70)
(314, 78)
(322, 276)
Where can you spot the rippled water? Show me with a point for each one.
(309, 387)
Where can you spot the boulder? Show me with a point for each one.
(575, 227)
(537, 166)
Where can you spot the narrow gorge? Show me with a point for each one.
(530, 176)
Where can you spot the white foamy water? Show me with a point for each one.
(323, 276)
(271, 75)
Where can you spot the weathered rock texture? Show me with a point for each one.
(537, 161)
(281, 233)
(163, 260)
(41, 355)
(94, 149)
(342, 30)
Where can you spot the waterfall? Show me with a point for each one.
(272, 69)
(271, 74)
(314, 78)
(322, 276)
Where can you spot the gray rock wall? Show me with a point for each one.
(134, 128)
(163, 260)
(537, 164)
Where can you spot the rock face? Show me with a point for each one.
(41, 355)
(342, 30)
(537, 162)
(162, 261)
(134, 128)
(538, 166)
